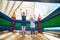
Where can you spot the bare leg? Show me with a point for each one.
(23, 29)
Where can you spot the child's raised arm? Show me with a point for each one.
(30, 17)
(26, 12)
(21, 12)
(34, 17)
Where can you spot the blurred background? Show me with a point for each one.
(49, 11)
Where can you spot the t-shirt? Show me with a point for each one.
(32, 24)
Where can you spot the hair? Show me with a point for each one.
(23, 12)
(39, 16)
(31, 18)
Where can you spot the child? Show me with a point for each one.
(13, 22)
(32, 25)
(39, 25)
(23, 15)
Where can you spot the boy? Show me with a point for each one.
(32, 25)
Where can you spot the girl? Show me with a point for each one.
(23, 15)
(39, 25)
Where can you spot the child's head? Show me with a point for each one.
(31, 18)
(39, 16)
(24, 13)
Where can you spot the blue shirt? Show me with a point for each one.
(23, 20)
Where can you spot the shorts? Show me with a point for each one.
(32, 30)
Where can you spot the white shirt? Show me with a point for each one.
(32, 24)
